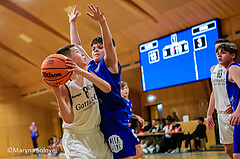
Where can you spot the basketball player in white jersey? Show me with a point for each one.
(79, 109)
(219, 101)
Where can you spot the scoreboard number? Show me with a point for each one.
(200, 42)
(153, 56)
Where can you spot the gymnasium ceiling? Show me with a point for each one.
(30, 30)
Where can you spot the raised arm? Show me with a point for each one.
(75, 38)
(110, 57)
(234, 76)
(100, 83)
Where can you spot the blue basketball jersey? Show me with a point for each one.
(234, 96)
(129, 109)
(114, 121)
(233, 91)
(112, 102)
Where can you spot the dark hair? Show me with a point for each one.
(99, 39)
(229, 47)
(65, 50)
(123, 84)
(201, 118)
(49, 141)
(222, 40)
(169, 117)
(173, 120)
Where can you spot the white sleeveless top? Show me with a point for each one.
(218, 78)
(85, 106)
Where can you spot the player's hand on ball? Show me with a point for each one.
(74, 67)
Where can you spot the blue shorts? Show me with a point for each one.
(236, 139)
(121, 142)
(136, 142)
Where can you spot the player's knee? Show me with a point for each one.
(139, 152)
(236, 156)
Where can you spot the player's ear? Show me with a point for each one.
(233, 55)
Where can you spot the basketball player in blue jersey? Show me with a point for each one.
(219, 101)
(114, 123)
(226, 55)
(125, 93)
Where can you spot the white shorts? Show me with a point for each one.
(85, 144)
(225, 129)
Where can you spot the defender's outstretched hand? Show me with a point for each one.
(73, 15)
(96, 14)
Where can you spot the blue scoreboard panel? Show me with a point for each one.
(182, 57)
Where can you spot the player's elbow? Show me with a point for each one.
(68, 120)
(107, 89)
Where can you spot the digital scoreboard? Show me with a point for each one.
(179, 58)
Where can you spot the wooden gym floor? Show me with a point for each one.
(193, 155)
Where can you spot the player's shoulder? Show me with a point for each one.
(212, 68)
(234, 68)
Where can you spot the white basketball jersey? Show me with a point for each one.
(85, 106)
(218, 78)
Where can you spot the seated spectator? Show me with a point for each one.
(55, 142)
(176, 127)
(160, 125)
(60, 147)
(159, 143)
(50, 143)
(176, 138)
(168, 129)
(153, 128)
(199, 133)
(149, 140)
(146, 126)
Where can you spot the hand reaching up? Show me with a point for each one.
(73, 15)
(96, 14)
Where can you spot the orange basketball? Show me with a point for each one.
(55, 71)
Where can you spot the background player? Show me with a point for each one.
(226, 55)
(79, 109)
(220, 101)
(114, 123)
(125, 93)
